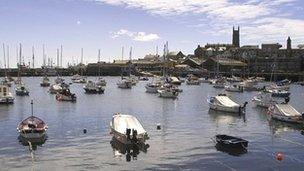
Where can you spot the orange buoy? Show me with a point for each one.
(280, 156)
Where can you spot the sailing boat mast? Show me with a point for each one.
(122, 56)
(32, 108)
(61, 49)
(7, 53)
(4, 59)
(33, 57)
(130, 60)
(98, 62)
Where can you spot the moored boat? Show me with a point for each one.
(231, 141)
(6, 96)
(279, 93)
(223, 103)
(32, 127)
(93, 88)
(127, 129)
(65, 95)
(45, 82)
(263, 99)
(125, 84)
(21, 90)
(168, 92)
(286, 113)
(234, 88)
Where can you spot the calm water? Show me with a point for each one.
(184, 142)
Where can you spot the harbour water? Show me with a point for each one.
(184, 141)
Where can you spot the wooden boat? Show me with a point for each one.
(93, 88)
(223, 103)
(32, 127)
(286, 113)
(127, 129)
(230, 141)
(6, 96)
(65, 95)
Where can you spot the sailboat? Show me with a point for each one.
(20, 88)
(45, 82)
(126, 83)
(80, 78)
(100, 81)
(6, 80)
(6, 96)
(32, 127)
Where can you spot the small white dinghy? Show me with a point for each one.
(32, 127)
(223, 103)
(127, 129)
(263, 99)
(285, 112)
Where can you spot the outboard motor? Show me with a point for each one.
(128, 133)
(287, 99)
(134, 136)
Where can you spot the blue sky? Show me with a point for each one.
(143, 24)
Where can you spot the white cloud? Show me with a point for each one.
(137, 36)
(259, 19)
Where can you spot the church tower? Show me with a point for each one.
(288, 48)
(236, 37)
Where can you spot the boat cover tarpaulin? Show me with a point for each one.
(226, 101)
(123, 122)
(287, 110)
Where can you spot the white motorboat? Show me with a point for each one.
(32, 127)
(127, 129)
(54, 88)
(192, 80)
(250, 85)
(125, 84)
(263, 99)
(286, 113)
(223, 103)
(65, 95)
(168, 93)
(93, 88)
(6, 96)
(101, 82)
(219, 83)
(234, 88)
(133, 79)
(45, 82)
(279, 93)
(152, 87)
(175, 81)
(75, 77)
(80, 80)
(235, 79)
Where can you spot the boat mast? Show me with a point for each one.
(122, 56)
(32, 108)
(98, 62)
(130, 59)
(4, 59)
(7, 49)
(61, 49)
(33, 57)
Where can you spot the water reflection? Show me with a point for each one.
(32, 143)
(230, 151)
(278, 127)
(131, 151)
(225, 117)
